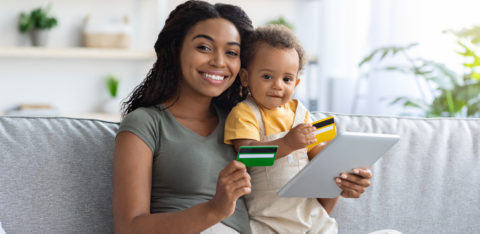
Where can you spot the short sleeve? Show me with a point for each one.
(241, 123)
(308, 118)
(141, 122)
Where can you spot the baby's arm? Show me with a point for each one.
(298, 137)
(327, 203)
(316, 149)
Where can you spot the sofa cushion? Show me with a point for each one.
(56, 175)
(427, 183)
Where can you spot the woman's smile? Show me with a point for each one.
(215, 77)
(210, 58)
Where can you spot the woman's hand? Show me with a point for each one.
(354, 184)
(233, 182)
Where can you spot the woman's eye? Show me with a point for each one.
(267, 77)
(204, 48)
(232, 53)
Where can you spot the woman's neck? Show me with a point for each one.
(190, 107)
(196, 114)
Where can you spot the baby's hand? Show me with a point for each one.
(300, 136)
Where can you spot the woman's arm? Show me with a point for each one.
(132, 179)
(299, 137)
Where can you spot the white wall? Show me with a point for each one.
(351, 29)
(72, 85)
(76, 85)
(71, 13)
(260, 11)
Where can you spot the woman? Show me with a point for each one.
(159, 184)
(172, 172)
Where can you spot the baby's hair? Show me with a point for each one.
(276, 36)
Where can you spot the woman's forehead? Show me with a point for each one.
(219, 29)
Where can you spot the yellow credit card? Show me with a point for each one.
(325, 131)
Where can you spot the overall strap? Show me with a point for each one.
(261, 127)
(299, 114)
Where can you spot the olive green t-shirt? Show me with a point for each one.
(185, 164)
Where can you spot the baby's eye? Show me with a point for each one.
(287, 79)
(204, 48)
(267, 77)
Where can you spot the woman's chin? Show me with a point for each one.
(215, 93)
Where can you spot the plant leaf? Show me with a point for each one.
(385, 51)
(38, 18)
(368, 58)
(112, 85)
(473, 109)
(442, 76)
(475, 75)
(411, 102)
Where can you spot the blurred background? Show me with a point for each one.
(379, 57)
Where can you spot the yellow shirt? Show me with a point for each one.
(241, 123)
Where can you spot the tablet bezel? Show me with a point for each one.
(347, 151)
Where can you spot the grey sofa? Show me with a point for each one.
(56, 176)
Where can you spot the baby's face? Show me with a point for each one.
(272, 75)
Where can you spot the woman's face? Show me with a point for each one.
(209, 58)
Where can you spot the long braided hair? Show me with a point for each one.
(163, 79)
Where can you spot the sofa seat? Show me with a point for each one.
(56, 176)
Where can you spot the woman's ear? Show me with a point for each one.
(244, 77)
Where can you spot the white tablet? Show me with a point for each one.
(347, 151)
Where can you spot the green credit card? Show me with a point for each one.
(257, 156)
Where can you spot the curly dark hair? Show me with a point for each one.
(276, 36)
(162, 81)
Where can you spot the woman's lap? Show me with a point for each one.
(219, 228)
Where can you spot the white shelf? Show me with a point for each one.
(75, 53)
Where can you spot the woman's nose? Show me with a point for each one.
(217, 59)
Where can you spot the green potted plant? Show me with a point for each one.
(112, 85)
(454, 95)
(37, 23)
(112, 105)
(282, 21)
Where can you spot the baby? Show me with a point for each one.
(272, 60)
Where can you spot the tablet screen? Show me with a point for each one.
(347, 151)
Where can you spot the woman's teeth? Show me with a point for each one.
(213, 77)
